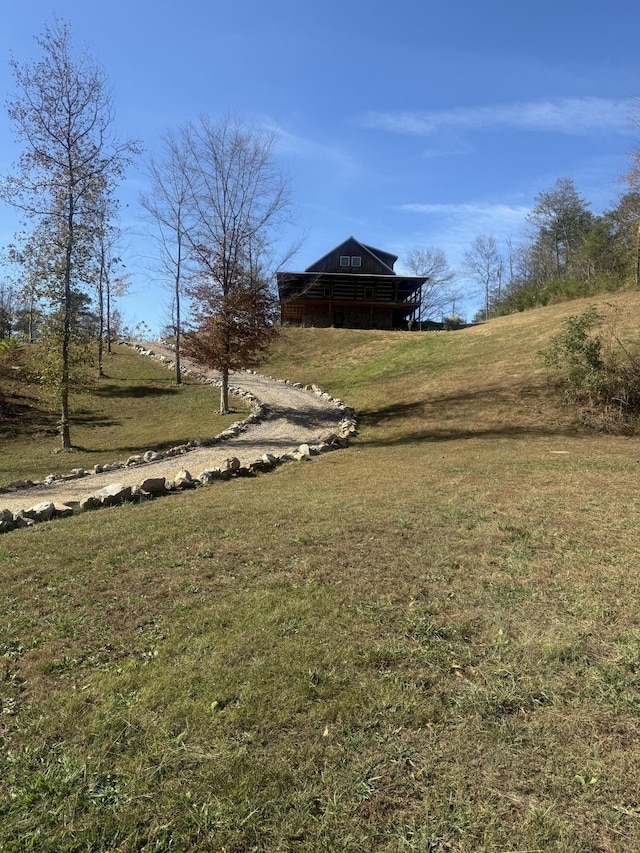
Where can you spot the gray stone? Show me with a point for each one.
(89, 503)
(40, 512)
(76, 474)
(114, 494)
(184, 480)
(245, 471)
(62, 510)
(329, 438)
(154, 486)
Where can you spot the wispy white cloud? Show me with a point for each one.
(483, 215)
(454, 226)
(564, 115)
(294, 145)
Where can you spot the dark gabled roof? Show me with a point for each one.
(385, 258)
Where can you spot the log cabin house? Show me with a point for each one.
(353, 286)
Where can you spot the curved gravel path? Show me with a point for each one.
(293, 416)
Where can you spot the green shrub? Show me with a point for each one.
(453, 323)
(10, 353)
(598, 373)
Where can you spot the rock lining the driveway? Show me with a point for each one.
(288, 421)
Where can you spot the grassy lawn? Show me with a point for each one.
(428, 641)
(135, 407)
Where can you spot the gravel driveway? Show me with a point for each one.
(293, 416)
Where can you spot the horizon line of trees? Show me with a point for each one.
(568, 252)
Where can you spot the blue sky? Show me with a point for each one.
(403, 124)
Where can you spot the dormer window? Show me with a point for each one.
(345, 260)
(356, 261)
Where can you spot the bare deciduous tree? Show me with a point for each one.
(106, 238)
(483, 264)
(238, 200)
(167, 203)
(439, 291)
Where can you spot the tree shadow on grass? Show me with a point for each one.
(134, 391)
(82, 417)
(23, 418)
(128, 450)
(307, 418)
(26, 419)
(461, 405)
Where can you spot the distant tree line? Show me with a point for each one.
(568, 252)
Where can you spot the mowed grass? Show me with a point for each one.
(428, 641)
(135, 407)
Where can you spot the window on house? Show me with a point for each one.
(292, 313)
(345, 260)
(328, 291)
(356, 261)
(368, 293)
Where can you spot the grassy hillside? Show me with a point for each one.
(428, 641)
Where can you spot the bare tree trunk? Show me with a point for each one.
(65, 432)
(32, 311)
(101, 313)
(66, 345)
(100, 347)
(178, 368)
(178, 319)
(66, 331)
(109, 315)
(224, 392)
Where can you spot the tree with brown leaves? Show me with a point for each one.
(232, 330)
(238, 200)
